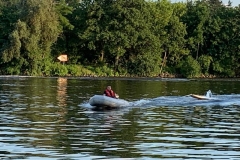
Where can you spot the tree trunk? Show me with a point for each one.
(163, 62)
(197, 52)
(102, 56)
(116, 64)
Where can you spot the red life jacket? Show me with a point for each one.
(109, 93)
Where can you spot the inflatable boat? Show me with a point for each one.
(105, 101)
(199, 97)
(206, 97)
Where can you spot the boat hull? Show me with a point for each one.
(199, 97)
(105, 101)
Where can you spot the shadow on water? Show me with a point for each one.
(104, 108)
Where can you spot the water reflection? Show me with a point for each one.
(42, 119)
(62, 91)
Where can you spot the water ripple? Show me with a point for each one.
(42, 122)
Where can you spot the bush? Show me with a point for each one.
(102, 70)
(205, 62)
(57, 69)
(144, 65)
(73, 70)
(78, 70)
(189, 67)
(12, 71)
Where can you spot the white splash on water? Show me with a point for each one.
(140, 102)
(209, 94)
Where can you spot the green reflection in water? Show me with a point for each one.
(48, 115)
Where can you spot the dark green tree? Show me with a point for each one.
(222, 39)
(64, 9)
(29, 43)
(195, 18)
(174, 42)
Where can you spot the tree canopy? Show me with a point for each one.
(120, 38)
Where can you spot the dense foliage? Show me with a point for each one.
(119, 38)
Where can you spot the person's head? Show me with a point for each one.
(109, 87)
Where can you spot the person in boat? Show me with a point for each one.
(110, 93)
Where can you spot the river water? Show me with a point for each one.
(50, 118)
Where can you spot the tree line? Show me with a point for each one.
(119, 38)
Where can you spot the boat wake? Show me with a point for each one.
(217, 100)
(188, 100)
